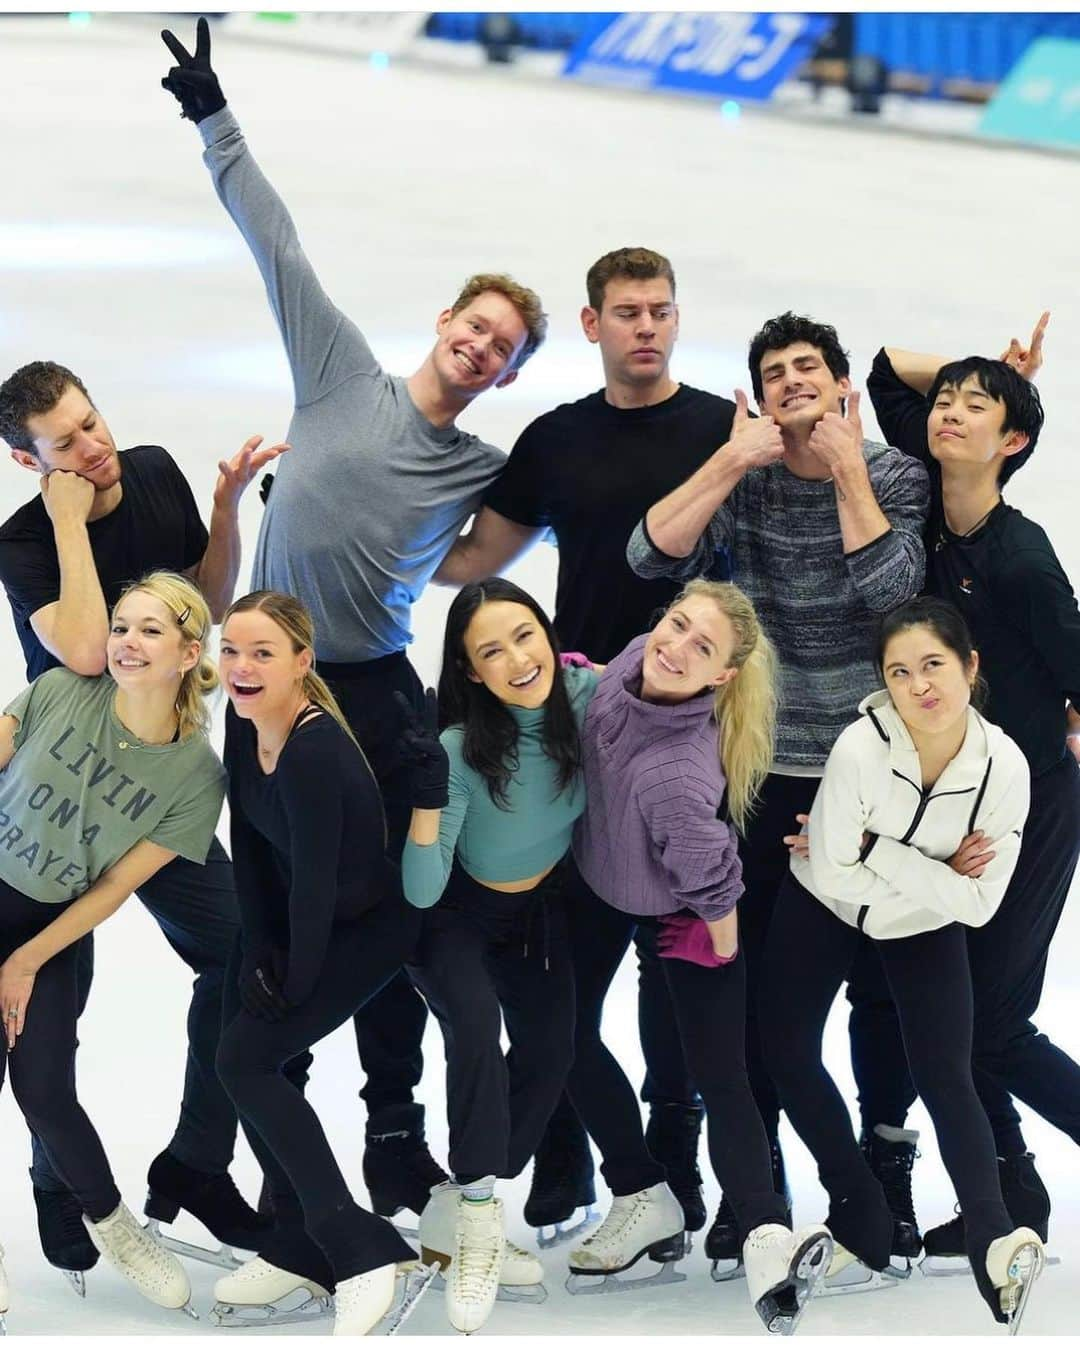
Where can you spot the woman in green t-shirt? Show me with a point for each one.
(104, 780)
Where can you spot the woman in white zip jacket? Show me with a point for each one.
(913, 835)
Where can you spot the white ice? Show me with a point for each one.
(117, 260)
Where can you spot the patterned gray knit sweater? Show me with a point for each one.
(819, 607)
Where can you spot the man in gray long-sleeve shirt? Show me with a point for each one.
(824, 531)
(380, 484)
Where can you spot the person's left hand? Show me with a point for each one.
(16, 985)
(837, 440)
(799, 843)
(236, 473)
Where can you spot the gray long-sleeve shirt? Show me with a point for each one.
(372, 495)
(818, 606)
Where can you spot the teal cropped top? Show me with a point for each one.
(500, 845)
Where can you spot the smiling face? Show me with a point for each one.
(507, 650)
(72, 437)
(798, 388)
(478, 346)
(965, 426)
(636, 328)
(259, 668)
(928, 682)
(146, 648)
(688, 650)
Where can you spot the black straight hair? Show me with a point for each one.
(1001, 383)
(948, 625)
(491, 732)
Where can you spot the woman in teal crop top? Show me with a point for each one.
(495, 798)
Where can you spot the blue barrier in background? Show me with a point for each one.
(1040, 99)
(941, 51)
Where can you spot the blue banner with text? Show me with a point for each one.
(726, 55)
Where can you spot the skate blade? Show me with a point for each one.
(900, 1268)
(604, 1283)
(781, 1308)
(938, 1265)
(222, 1256)
(562, 1231)
(1024, 1270)
(3, 1327)
(76, 1280)
(858, 1277)
(287, 1310)
(727, 1269)
(414, 1279)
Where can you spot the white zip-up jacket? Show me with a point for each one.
(900, 883)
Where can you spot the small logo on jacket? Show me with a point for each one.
(965, 584)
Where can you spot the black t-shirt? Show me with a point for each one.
(308, 842)
(156, 526)
(589, 471)
(1007, 581)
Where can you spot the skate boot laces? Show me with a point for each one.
(478, 1251)
(623, 1215)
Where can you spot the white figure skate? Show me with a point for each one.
(135, 1253)
(783, 1270)
(645, 1224)
(521, 1277)
(259, 1294)
(5, 1299)
(473, 1280)
(1013, 1264)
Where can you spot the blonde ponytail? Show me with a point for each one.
(187, 605)
(745, 707)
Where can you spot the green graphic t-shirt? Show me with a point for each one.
(81, 790)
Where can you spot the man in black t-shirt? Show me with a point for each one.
(973, 422)
(588, 471)
(104, 518)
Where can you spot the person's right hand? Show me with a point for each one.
(67, 496)
(422, 754)
(191, 81)
(972, 856)
(756, 440)
(1027, 360)
(799, 843)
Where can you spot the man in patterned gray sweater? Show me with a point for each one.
(824, 531)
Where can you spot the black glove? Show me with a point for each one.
(262, 977)
(191, 81)
(420, 752)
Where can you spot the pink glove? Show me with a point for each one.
(574, 659)
(684, 936)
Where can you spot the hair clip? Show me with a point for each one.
(183, 617)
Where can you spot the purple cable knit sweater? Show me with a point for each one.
(649, 841)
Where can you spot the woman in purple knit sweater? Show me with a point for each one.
(676, 741)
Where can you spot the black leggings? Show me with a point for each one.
(283, 1128)
(40, 1063)
(485, 957)
(710, 1009)
(808, 956)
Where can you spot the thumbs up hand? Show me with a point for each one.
(755, 440)
(837, 440)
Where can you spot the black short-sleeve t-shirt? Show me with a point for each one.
(156, 526)
(589, 471)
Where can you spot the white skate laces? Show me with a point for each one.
(473, 1282)
(134, 1252)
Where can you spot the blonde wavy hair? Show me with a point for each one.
(187, 605)
(745, 707)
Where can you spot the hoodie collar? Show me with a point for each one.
(966, 769)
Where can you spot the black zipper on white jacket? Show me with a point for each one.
(925, 796)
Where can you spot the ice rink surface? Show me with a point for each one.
(117, 260)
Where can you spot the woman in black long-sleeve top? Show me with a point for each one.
(324, 927)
